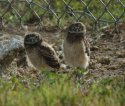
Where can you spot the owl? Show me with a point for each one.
(40, 53)
(76, 46)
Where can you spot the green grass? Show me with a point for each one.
(61, 90)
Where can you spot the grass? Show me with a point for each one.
(61, 90)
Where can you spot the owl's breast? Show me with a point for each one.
(36, 59)
(75, 54)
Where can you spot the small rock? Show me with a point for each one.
(94, 48)
(120, 54)
(10, 48)
(104, 60)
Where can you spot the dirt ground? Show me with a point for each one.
(107, 55)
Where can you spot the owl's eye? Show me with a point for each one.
(36, 37)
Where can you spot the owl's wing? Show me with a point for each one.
(87, 46)
(49, 56)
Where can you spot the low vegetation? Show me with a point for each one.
(62, 90)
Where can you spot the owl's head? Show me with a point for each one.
(77, 28)
(76, 32)
(32, 39)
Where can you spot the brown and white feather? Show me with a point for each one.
(42, 55)
(76, 46)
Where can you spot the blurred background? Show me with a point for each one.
(46, 13)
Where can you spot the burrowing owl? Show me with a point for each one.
(40, 53)
(76, 46)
